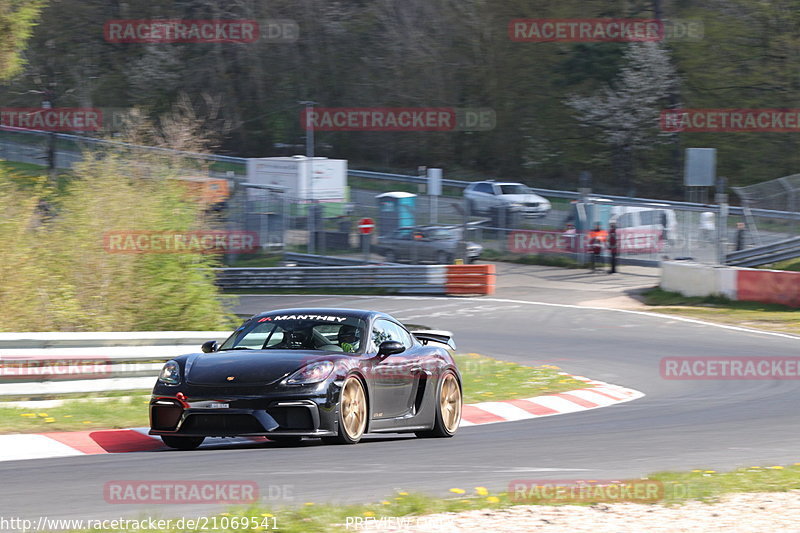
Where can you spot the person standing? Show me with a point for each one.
(613, 246)
(740, 229)
(595, 245)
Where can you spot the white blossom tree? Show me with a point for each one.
(627, 111)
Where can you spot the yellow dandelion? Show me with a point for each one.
(384, 502)
(309, 503)
(493, 499)
(696, 470)
(755, 467)
(369, 513)
(458, 491)
(224, 514)
(778, 467)
(43, 415)
(267, 515)
(710, 472)
(27, 414)
(481, 491)
(796, 464)
(403, 493)
(87, 422)
(49, 420)
(67, 416)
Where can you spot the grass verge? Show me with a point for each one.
(771, 317)
(78, 415)
(532, 259)
(412, 509)
(485, 379)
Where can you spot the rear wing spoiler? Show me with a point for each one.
(442, 337)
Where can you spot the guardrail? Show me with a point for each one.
(399, 279)
(386, 176)
(42, 364)
(324, 260)
(768, 253)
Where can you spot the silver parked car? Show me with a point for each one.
(437, 244)
(484, 196)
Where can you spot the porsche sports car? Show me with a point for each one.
(292, 373)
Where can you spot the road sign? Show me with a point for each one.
(366, 225)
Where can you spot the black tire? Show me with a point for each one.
(182, 443)
(441, 427)
(443, 258)
(390, 256)
(352, 399)
(471, 209)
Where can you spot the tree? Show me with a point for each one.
(17, 19)
(627, 110)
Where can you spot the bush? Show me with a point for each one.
(57, 275)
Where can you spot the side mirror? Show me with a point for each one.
(388, 348)
(210, 346)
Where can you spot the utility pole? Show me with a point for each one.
(311, 205)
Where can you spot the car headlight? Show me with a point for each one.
(170, 374)
(313, 373)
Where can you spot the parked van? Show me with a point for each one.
(657, 219)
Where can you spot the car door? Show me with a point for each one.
(483, 196)
(394, 379)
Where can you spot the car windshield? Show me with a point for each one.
(327, 332)
(514, 188)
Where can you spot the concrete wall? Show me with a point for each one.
(746, 284)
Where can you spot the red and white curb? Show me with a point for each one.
(71, 443)
(602, 394)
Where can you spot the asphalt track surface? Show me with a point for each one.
(679, 424)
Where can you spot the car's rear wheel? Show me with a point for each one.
(448, 408)
(182, 443)
(443, 258)
(390, 256)
(352, 413)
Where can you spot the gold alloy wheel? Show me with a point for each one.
(354, 408)
(450, 403)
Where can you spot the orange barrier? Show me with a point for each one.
(470, 279)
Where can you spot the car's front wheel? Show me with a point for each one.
(390, 256)
(352, 413)
(448, 408)
(182, 443)
(443, 258)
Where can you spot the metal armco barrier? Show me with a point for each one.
(398, 279)
(768, 253)
(470, 279)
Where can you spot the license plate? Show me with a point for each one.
(220, 405)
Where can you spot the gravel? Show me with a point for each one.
(748, 512)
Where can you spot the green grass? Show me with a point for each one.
(772, 317)
(485, 379)
(532, 259)
(77, 415)
(679, 487)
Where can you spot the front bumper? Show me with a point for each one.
(231, 417)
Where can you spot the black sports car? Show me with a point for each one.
(293, 373)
